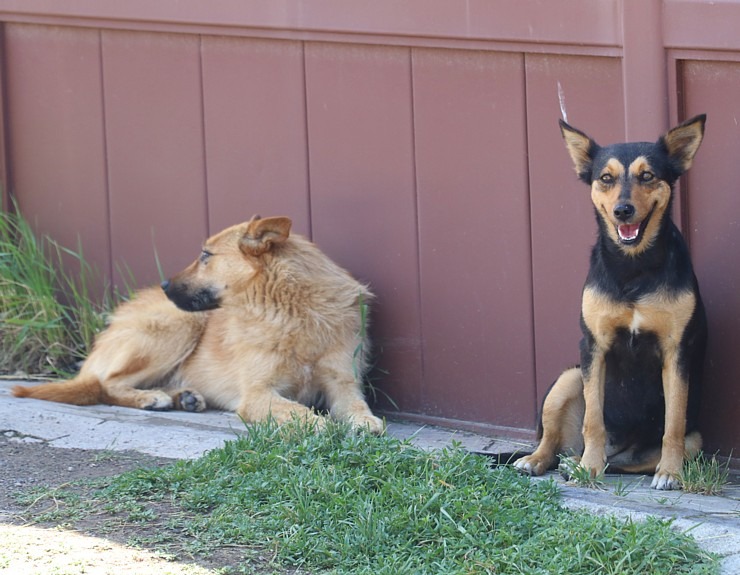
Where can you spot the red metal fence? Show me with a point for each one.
(416, 142)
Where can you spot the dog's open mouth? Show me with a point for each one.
(631, 234)
(628, 233)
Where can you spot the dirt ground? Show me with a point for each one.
(97, 544)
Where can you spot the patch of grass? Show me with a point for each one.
(704, 475)
(41, 333)
(623, 489)
(54, 504)
(343, 502)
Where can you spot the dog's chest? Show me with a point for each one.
(665, 315)
(638, 321)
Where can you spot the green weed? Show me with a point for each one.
(623, 489)
(360, 360)
(704, 475)
(42, 332)
(577, 475)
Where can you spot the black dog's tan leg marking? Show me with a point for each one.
(594, 431)
(671, 316)
(562, 416)
(602, 317)
(676, 390)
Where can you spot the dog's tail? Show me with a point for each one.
(82, 390)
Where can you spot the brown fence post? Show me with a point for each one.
(644, 73)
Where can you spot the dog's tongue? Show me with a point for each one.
(628, 231)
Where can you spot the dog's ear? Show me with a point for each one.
(262, 234)
(683, 141)
(582, 150)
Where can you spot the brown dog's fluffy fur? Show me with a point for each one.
(263, 324)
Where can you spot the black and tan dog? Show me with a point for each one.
(633, 402)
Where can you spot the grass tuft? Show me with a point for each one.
(346, 502)
(704, 475)
(41, 333)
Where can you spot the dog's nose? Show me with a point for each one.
(165, 284)
(624, 212)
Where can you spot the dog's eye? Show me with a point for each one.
(646, 176)
(204, 255)
(607, 179)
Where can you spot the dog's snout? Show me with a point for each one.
(624, 212)
(165, 284)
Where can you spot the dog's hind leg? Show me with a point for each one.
(143, 350)
(562, 418)
(143, 347)
(120, 385)
(88, 388)
(150, 382)
(647, 460)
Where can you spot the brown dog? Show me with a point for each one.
(264, 324)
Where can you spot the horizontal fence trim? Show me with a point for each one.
(686, 24)
(682, 54)
(528, 21)
(328, 37)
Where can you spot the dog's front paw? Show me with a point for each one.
(531, 464)
(668, 472)
(368, 423)
(574, 472)
(665, 481)
(593, 461)
(190, 401)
